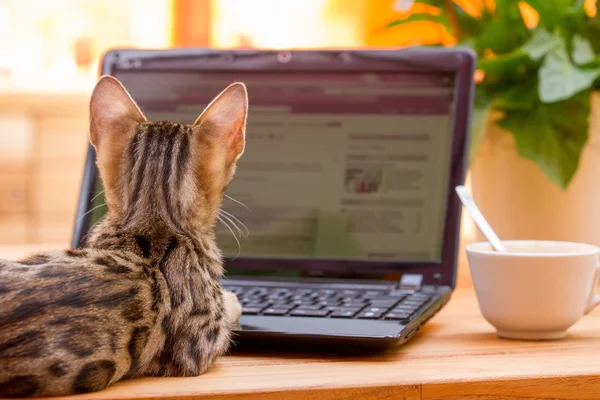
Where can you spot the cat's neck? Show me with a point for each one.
(151, 239)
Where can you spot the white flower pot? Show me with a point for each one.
(520, 202)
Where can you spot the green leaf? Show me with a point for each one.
(504, 30)
(582, 50)
(468, 26)
(577, 7)
(509, 66)
(552, 135)
(521, 96)
(560, 79)
(540, 44)
(591, 31)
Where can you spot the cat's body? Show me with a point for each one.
(143, 297)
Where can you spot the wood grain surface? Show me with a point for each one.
(455, 356)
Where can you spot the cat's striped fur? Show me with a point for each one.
(143, 297)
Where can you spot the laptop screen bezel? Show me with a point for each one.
(459, 61)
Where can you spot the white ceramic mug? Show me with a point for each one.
(536, 289)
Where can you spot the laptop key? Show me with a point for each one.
(309, 313)
(263, 304)
(344, 308)
(340, 309)
(236, 290)
(309, 308)
(397, 316)
(327, 292)
(251, 310)
(410, 304)
(348, 299)
(275, 311)
(256, 299)
(303, 300)
(413, 301)
(327, 303)
(370, 314)
(417, 299)
(342, 314)
(257, 292)
(383, 296)
(354, 302)
(373, 293)
(411, 308)
(385, 303)
(278, 299)
(375, 309)
(405, 309)
(314, 295)
(283, 306)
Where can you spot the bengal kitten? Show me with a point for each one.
(143, 297)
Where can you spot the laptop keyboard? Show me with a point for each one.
(330, 303)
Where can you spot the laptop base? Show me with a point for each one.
(336, 317)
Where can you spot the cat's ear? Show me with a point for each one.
(113, 118)
(112, 112)
(224, 120)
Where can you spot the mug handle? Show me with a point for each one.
(594, 299)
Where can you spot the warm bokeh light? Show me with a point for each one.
(56, 44)
(490, 5)
(379, 14)
(479, 75)
(279, 24)
(590, 8)
(530, 16)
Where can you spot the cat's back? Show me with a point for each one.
(75, 321)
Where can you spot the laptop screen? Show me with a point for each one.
(346, 165)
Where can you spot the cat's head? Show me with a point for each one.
(166, 170)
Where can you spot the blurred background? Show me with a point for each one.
(49, 55)
(50, 51)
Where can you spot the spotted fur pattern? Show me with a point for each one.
(143, 297)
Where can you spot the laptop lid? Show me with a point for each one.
(351, 158)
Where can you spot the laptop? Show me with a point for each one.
(343, 203)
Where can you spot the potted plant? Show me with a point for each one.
(535, 144)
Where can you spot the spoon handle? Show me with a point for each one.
(478, 217)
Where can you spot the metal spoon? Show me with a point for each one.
(479, 219)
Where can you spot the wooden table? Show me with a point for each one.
(455, 356)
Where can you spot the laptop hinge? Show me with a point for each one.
(410, 282)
